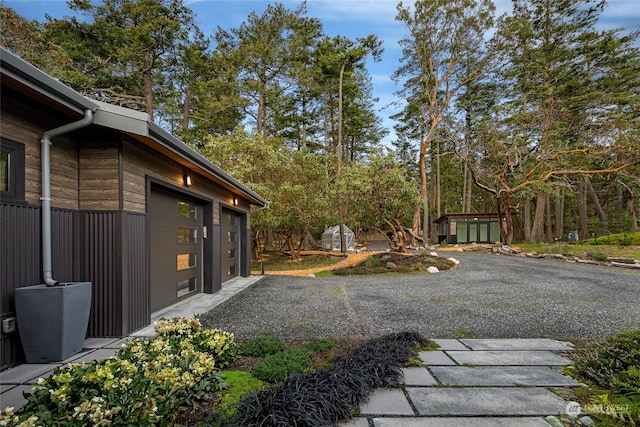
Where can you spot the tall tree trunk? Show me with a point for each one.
(504, 211)
(438, 180)
(469, 189)
(268, 241)
(261, 123)
(186, 109)
(632, 214)
(537, 230)
(630, 209)
(339, 147)
(559, 230)
(148, 84)
(416, 222)
(582, 209)
(527, 220)
(548, 224)
(602, 216)
(303, 137)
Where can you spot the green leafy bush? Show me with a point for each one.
(620, 239)
(263, 346)
(597, 256)
(276, 367)
(142, 385)
(316, 346)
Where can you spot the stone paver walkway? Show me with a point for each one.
(467, 382)
(475, 382)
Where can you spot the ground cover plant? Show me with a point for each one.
(145, 384)
(323, 397)
(611, 368)
(276, 366)
(625, 245)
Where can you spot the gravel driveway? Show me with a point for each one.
(485, 296)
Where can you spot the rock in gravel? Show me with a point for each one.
(433, 269)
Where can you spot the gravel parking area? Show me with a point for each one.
(486, 296)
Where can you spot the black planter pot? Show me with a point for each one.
(52, 320)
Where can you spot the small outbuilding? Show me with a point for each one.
(463, 228)
(331, 238)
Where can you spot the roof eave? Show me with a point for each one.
(173, 144)
(26, 74)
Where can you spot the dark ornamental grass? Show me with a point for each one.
(325, 397)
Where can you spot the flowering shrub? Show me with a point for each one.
(608, 361)
(142, 385)
(613, 363)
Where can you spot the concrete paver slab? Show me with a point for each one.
(119, 343)
(6, 387)
(450, 344)
(98, 342)
(509, 358)
(418, 377)
(435, 358)
(355, 422)
(387, 401)
(485, 401)
(14, 397)
(540, 376)
(460, 422)
(517, 344)
(29, 372)
(100, 354)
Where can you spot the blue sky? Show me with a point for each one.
(350, 18)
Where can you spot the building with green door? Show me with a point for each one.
(464, 228)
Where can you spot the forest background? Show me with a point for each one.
(532, 115)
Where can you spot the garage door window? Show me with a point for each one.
(187, 236)
(186, 261)
(186, 286)
(187, 210)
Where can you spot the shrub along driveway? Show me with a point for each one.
(485, 296)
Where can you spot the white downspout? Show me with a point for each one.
(46, 191)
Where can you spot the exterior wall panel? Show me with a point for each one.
(99, 174)
(19, 266)
(100, 266)
(136, 272)
(64, 245)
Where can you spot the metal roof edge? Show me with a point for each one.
(114, 117)
(18, 69)
(174, 144)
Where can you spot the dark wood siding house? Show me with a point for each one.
(464, 228)
(133, 210)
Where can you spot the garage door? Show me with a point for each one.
(176, 249)
(230, 245)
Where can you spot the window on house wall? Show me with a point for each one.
(11, 170)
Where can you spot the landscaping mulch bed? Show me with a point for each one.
(393, 262)
(327, 396)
